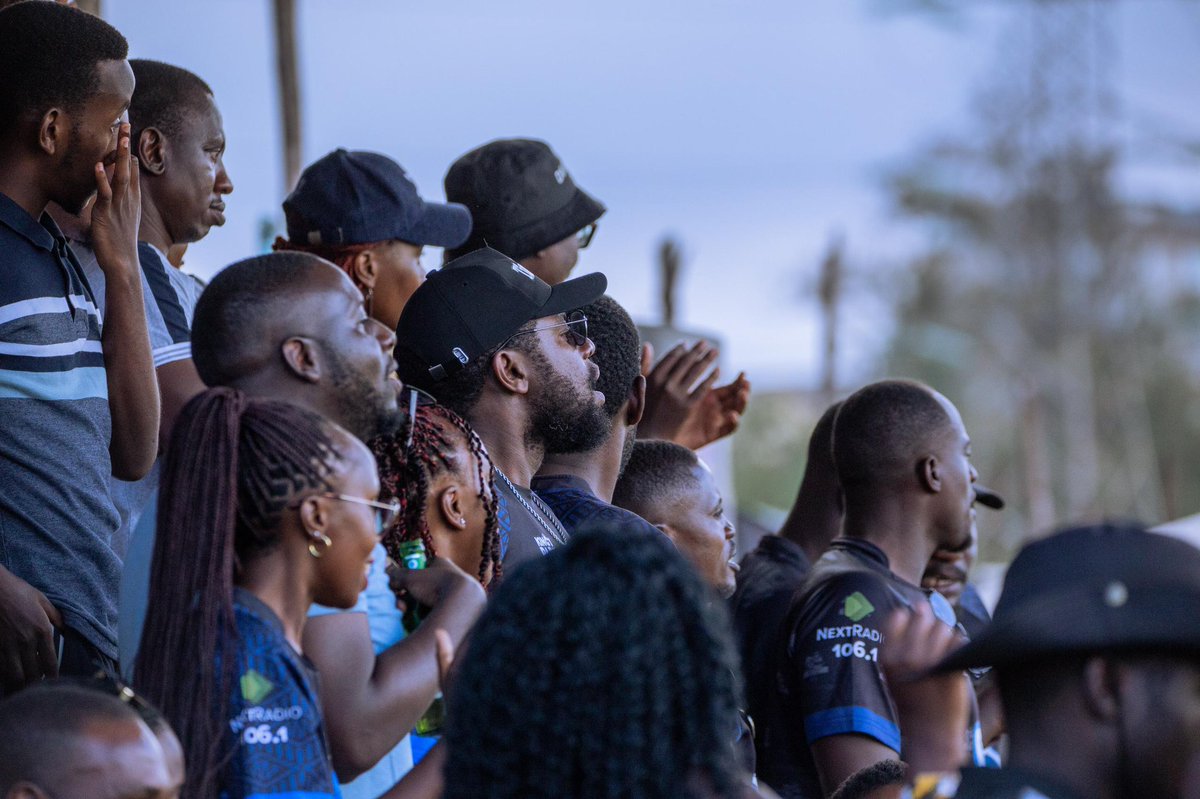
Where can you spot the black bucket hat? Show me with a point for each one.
(1102, 588)
(522, 198)
(358, 197)
(472, 304)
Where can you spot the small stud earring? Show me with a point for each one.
(462, 522)
(325, 540)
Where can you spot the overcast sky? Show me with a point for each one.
(751, 129)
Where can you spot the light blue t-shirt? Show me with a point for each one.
(379, 603)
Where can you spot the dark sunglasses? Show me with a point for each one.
(577, 330)
(584, 236)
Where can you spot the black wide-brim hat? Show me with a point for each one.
(1103, 588)
(473, 304)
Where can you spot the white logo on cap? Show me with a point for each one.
(560, 174)
(458, 353)
(518, 268)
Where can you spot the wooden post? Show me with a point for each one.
(289, 89)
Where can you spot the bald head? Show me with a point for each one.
(883, 431)
(252, 306)
(68, 740)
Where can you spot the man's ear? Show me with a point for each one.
(1102, 688)
(449, 505)
(151, 151)
(635, 403)
(364, 271)
(25, 790)
(511, 370)
(929, 474)
(52, 132)
(669, 532)
(301, 358)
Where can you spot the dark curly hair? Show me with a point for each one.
(618, 351)
(405, 473)
(601, 670)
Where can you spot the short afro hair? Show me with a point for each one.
(164, 97)
(44, 727)
(655, 472)
(618, 351)
(882, 431)
(232, 323)
(864, 782)
(48, 58)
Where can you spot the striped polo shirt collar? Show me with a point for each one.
(44, 234)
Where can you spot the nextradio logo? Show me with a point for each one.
(850, 631)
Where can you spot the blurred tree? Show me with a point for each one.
(1054, 310)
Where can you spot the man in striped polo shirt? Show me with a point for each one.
(78, 398)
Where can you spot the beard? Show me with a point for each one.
(364, 407)
(563, 418)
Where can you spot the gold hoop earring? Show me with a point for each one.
(312, 547)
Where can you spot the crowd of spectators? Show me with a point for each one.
(333, 526)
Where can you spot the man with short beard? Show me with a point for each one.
(508, 352)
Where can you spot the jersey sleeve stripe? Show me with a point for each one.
(848, 720)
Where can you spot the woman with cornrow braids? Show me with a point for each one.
(265, 508)
(437, 468)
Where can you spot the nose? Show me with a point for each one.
(223, 184)
(589, 348)
(974, 474)
(730, 530)
(386, 338)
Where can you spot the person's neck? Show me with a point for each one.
(813, 522)
(599, 468)
(151, 228)
(269, 579)
(502, 429)
(21, 183)
(898, 527)
(1067, 762)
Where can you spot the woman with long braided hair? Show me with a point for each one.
(265, 507)
(599, 671)
(440, 472)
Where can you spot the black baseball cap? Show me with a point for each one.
(357, 197)
(1102, 588)
(472, 304)
(522, 198)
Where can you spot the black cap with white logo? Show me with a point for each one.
(472, 304)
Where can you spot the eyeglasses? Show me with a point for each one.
(577, 330)
(584, 236)
(385, 512)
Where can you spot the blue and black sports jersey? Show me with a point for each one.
(275, 728)
(827, 678)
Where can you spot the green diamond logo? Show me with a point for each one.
(857, 607)
(255, 687)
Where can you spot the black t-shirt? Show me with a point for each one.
(768, 578)
(827, 675)
(522, 536)
(988, 783)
